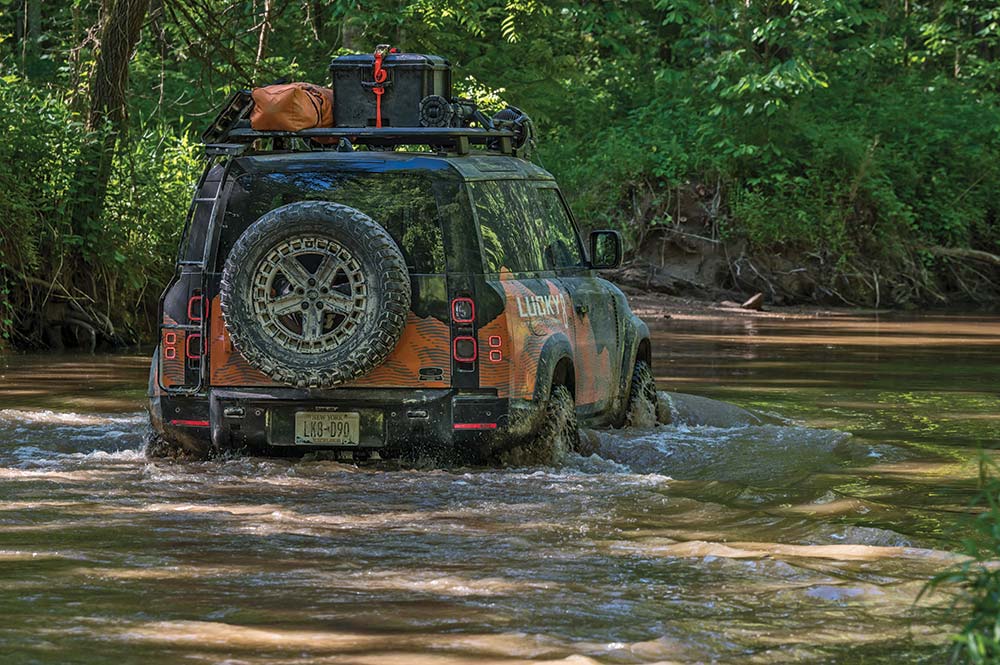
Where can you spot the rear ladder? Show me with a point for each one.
(215, 155)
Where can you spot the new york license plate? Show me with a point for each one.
(328, 428)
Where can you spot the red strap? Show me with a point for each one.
(378, 105)
(379, 75)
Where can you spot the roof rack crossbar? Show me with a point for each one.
(456, 139)
(394, 134)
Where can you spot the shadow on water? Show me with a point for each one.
(753, 540)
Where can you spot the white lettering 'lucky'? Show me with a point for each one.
(535, 306)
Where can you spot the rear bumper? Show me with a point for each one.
(391, 420)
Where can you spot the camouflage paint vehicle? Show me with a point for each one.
(375, 302)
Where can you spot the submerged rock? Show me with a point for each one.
(692, 410)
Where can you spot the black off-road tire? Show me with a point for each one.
(386, 306)
(560, 427)
(161, 447)
(642, 398)
(542, 434)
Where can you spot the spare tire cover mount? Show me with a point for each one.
(309, 311)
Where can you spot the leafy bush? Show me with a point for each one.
(39, 147)
(122, 262)
(148, 198)
(977, 579)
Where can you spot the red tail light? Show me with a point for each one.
(170, 345)
(496, 355)
(463, 310)
(465, 349)
(192, 347)
(190, 423)
(474, 426)
(196, 307)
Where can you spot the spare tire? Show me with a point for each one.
(315, 294)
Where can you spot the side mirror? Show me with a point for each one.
(605, 249)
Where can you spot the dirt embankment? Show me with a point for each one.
(686, 251)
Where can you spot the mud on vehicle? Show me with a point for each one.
(378, 303)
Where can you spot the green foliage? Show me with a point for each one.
(838, 128)
(125, 251)
(977, 579)
(815, 122)
(39, 141)
(148, 197)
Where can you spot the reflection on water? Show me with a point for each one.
(796, 540)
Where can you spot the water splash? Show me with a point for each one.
(756, 454)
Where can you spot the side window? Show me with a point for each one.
(510, 241)
(560, 245)
(194, 240)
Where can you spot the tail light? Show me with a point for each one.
(463, 310)
(192, 347)
(474, 426)
(196, 307)
(465, 349)
(189, 423)
(170, 345)
(495, 353)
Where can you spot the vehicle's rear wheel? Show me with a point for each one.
(642, 398)
(551, 432)
(315, 294)
(159, 446)
(561, 433)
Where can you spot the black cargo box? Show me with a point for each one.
(411, 77)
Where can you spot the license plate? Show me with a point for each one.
(342, 429)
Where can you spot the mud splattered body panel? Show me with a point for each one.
(539, 316)
(420, 360)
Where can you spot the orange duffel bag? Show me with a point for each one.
(291, 107)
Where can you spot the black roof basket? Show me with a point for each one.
(231, 127)
(456, 140)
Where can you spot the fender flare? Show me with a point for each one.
(556, 348)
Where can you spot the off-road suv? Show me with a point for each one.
(374, 301)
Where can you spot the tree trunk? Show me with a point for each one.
(317, 19)
(118, 40)
(107, 115)
(27, 32)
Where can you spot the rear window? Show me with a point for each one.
(409, 205)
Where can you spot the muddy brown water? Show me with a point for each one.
(803, 540)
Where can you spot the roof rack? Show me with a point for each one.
(457, 140)
(508, 133)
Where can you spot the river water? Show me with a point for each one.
(803, 540)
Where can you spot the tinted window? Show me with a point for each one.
(560, 247)
(409, 205)
(510, 238)
(194, 240)
(406, 204)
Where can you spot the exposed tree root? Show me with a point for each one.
(962, 253)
